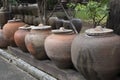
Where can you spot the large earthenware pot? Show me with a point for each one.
(35, 41)
(19, 37)
(96, 54)
(58, 47)
(10, 28)
(3, 42)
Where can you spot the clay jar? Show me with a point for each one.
(58, 47)
(3, 42)
(35, 41)
(96, 54)
(10, 28)
(19, 37)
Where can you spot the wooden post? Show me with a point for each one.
(113, 21)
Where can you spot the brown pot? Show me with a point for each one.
(10, 28)
(35, 41)
(3, 42)
(58, 47)
(19, 37)
(96, 54)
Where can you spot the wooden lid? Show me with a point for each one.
(14, 20)
(98, 31)
(41, 27)
(62, 30)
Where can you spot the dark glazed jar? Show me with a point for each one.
(19, 37)
(10, 28)
(77, 24)
(3, 42)
(96, 54)
(58, 47)
(35, 41)
(52, 22)
(59, 23)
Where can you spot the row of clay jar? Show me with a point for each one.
(37, 41)
(94, 53)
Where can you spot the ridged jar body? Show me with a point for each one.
(19, 37)
(3, 42)
(97, 57)
(35, 43)
(9, 29)
(58, 47)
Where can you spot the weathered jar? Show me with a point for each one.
(58, 47)
(96, 54)
(35, 41)
(19, 37)
(3, 42)
(10, 28)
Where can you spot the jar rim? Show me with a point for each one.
(62, 30)
(14, 20)
(41, 27)
(24, 28)
(93, 32)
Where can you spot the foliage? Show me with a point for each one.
(96, 11)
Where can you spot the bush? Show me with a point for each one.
(96, 11)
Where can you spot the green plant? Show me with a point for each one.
(96, 11)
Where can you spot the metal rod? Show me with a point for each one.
(69, 19)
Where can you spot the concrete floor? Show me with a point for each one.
(11, 72)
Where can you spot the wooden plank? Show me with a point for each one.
(46, 66)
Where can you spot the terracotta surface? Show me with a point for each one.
(58, 47)
(9, 29)
(19, 37)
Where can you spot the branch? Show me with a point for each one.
(101, 19)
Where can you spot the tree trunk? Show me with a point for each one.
(113, 21)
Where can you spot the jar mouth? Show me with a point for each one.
(41, 27)
(93, 32)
